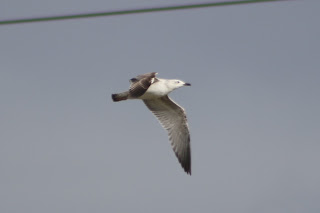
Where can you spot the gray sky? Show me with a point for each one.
(253, 109)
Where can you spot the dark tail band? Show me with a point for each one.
(120, 96)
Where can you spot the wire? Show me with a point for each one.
(133, 11)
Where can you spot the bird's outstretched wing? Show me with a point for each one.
(141, 83)
(173, 118)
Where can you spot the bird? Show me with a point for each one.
(154, 92)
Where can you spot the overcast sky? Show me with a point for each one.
(253, 108)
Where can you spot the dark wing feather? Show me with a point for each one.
(141, 83)
(146, 75)
(173, 118)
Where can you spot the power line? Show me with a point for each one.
(132, 11)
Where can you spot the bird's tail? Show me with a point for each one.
(120, 96)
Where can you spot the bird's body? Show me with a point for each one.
(156, 90)
(154, 93)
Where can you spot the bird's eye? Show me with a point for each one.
(177, 82)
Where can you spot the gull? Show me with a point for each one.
(154, 93)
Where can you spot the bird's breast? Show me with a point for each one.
(155, 90)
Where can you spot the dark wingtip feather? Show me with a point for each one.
(185, 161)
(187, 169)
(187, 166)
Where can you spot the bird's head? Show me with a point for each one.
(175, 84)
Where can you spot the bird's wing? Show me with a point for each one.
(173, 118)
(141, 83)
(146, 75)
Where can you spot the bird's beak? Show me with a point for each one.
(187, 84)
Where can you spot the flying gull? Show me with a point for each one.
(154, 93)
